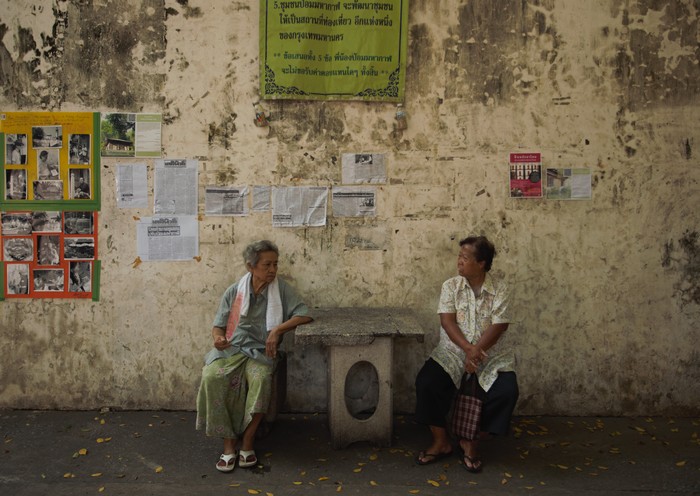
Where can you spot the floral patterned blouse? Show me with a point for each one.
(474, 315)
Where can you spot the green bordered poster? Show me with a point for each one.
(49, 198)
(50, 161)
(333, 50)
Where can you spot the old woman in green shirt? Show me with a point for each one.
(236, 385)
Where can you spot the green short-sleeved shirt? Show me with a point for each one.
(250, 335)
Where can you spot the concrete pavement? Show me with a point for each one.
(157, 453)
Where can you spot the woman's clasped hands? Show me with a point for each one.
(475, 357)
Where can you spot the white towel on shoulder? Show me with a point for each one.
(273, 316)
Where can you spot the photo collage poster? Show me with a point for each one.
(49, 198)
(49, 254)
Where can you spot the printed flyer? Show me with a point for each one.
(525, 175)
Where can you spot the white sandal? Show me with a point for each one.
(229, 463)
(247, 459)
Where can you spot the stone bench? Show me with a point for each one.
(357, 336)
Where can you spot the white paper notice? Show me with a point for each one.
(167, 238)
(175, 191)
(363, 168)
(226, 200)
(132, 186)
(299, 206)
(354, 201)
(147, 135)
(261, 198)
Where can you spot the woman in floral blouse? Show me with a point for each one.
(474, 316)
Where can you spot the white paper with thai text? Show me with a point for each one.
(162, 238)
(226, 200)
(261, 198)
(360, 168)
(297, 206)
(132, 186)
(354, 201)
(175, 189)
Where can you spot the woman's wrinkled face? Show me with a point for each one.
(467, 265)
(266, 268)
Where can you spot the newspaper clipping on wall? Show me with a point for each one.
(354, 201)
(162, 238)
(226, 200)
(299, 206)
(175, 191)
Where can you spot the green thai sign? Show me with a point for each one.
(333, 50)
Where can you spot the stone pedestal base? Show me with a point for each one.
(345, 428)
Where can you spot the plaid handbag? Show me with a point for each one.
(467, 409)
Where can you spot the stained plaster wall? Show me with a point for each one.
(607, 291)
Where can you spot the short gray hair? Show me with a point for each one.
(251, 254)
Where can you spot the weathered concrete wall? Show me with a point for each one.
(607, 291)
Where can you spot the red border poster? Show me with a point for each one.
(49, 254)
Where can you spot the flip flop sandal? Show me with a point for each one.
(247, 459)
(476, 464)
(226, 463)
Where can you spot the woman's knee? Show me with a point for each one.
(506, 386)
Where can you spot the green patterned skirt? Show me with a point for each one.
(231, 391)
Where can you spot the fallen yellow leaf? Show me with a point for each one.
(100, 440)
(269, 494)
(680, 464)
(504, 481)
(102, 421)
(82, 451)
(97, 474)
(414, 491)
(297, 483)
(373, 483)
(253, 491)
(433, 483)
(68, 475)
(235, 484)
(373, 456)
(357, 470)
(338, 489)
(323, 478)
(159, 469)
(100, 490)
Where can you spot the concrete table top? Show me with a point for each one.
(358, 326)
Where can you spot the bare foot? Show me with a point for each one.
(433, 454)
